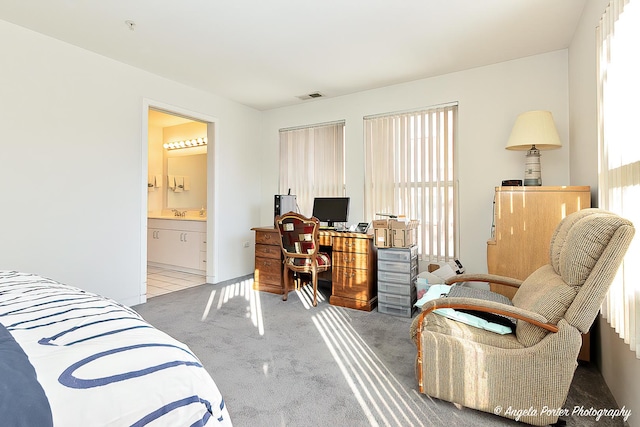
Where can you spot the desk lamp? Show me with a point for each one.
(534, 131)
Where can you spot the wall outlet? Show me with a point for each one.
(245, 244)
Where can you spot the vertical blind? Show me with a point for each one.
(312, 163)
(410, 171)
(619, 154)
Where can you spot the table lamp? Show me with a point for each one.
(534, 131)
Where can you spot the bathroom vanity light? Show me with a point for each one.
(188, 143)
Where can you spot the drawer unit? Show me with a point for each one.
(268, 251)
(396, 288)
(268, 237)
(349, 244)
(403, 255)
(351, 273)
(353, 279)
(267, 275)
(398, 266)
(396, 310)
(397, 274)
(268, 272)
(394, 299)
(391, 276)
(351, 260)
(350, 283)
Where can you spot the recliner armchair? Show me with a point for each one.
(525, 375)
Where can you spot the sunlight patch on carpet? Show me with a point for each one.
(305, 293)
(381, 396)
(240, 289)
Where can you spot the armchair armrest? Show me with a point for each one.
(487, 306)
(489, 278)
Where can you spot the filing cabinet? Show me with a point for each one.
(397, 274)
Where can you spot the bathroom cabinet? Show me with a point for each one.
(177, 244)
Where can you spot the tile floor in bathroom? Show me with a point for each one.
(162, 281)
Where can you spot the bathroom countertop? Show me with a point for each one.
(177, 218)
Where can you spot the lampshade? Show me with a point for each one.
(534, 131)
(534, 128)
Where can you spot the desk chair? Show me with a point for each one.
(299, 244)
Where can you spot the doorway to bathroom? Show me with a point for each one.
(179, 208)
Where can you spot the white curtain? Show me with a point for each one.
(619, 154)
(410, 171)
(312, 163)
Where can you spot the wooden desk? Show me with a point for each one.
(353, 266)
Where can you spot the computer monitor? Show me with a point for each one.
(331, 209)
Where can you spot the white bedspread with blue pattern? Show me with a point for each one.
(72, 358)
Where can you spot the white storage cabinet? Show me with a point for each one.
(177, 244)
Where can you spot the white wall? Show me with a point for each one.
(72, 149)
(618, 365)
(490, 98)
(155, 163)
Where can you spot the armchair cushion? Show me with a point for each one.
(559, 237)
(487, 295)
(543, 292)
(584, 246)
(472, 319)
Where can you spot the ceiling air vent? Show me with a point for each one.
(311, 95)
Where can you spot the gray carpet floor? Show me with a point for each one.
(283, 363)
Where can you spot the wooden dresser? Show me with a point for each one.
(524, 221)
(353, 266)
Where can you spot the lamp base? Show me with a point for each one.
(532, 172)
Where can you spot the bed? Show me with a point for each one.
(73, 358)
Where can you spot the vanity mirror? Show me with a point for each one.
(190, 171)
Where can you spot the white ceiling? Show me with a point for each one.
(265, 54)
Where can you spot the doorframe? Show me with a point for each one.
(212, 137)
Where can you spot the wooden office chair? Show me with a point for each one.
(299, 244)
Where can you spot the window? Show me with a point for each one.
(410, 171)
(312, 163)
(619, 154)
